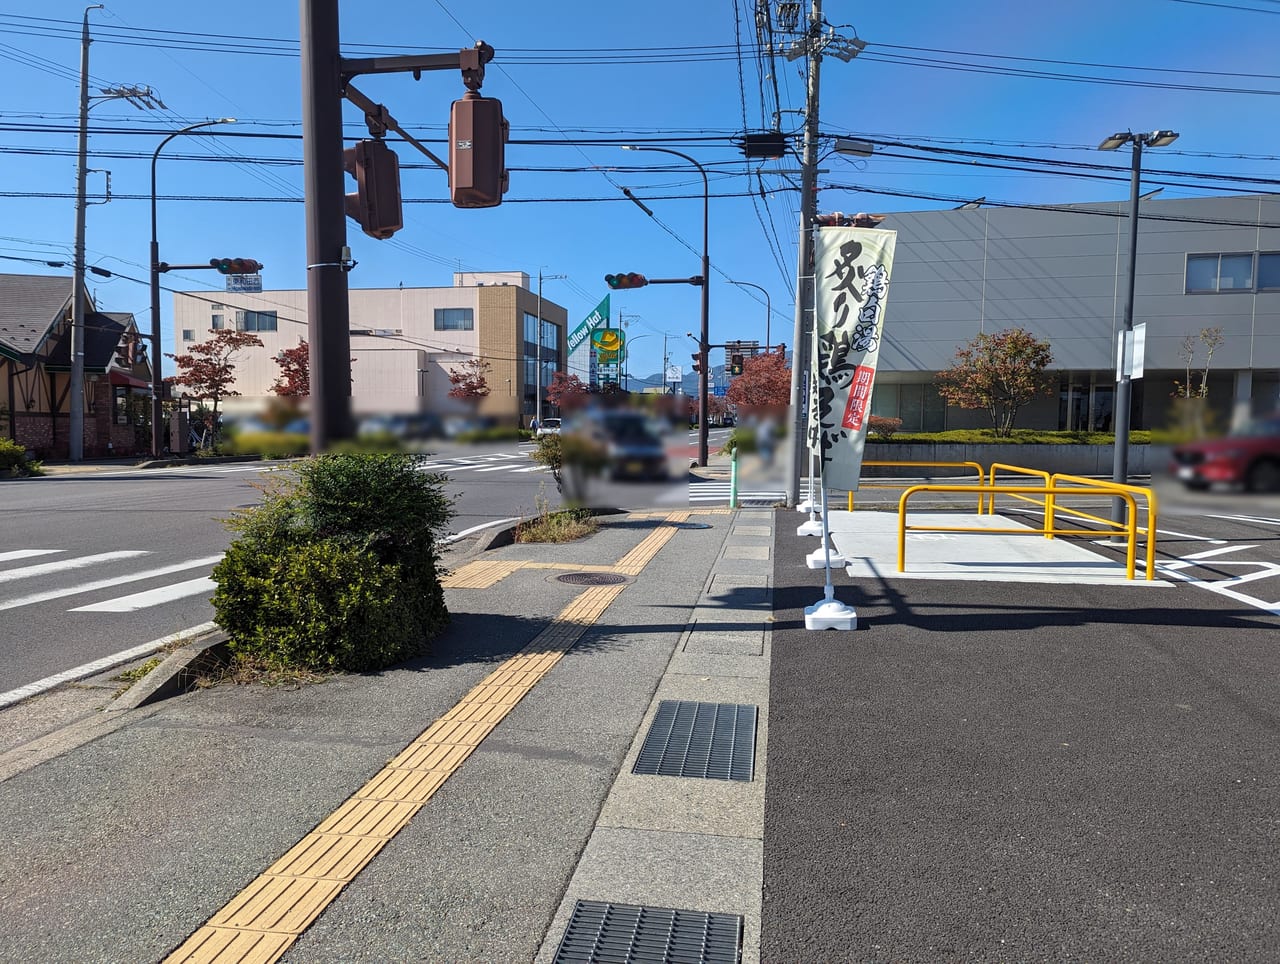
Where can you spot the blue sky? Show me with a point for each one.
(994, 77)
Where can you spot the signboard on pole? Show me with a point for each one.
(1131, 352)
(851, 278)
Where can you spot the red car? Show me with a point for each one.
(1248, 456)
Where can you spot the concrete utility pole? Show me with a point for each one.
(75, 439)
(800, 339)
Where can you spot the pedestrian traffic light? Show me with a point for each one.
(235, 265)
(376, 203)
(628, 280)
(735, 364)
(477, 149)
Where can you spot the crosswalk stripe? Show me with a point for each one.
(108, 583)
(27, 553)
(151, 597)
(63, 565)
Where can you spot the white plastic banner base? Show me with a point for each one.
(830, 614)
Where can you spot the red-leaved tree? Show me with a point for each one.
(294, 380)
(765, 382)
(566, 391)
(1000, 373)
(208, 370)
(470, 380)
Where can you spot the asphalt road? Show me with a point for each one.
(1030, 772)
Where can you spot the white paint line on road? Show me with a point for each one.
(1262, 520)
(1192, 536)
(151, 597)
(496, 468)
(1210, 553)
(27, 553)
(108, 583)
(63, 565)
(483, 525)
(101, 665)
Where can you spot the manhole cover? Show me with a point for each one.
(689, 525)
(592, 578)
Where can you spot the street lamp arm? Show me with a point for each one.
(155, 156)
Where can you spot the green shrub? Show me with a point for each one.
(1020, 436)
(497, 433)
(14, 461)
(336, 568)
(269, 445)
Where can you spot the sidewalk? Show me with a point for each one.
(344, 822)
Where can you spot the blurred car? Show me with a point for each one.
(1248, 456)
(548, 426)
(635, 449)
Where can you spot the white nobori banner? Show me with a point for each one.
(851, 286)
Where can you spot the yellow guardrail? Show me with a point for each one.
(1119, 489)
(976, 466)
(1042, 475)
(1050, 492)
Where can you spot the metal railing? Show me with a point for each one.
(1051, 493)
(976, 466)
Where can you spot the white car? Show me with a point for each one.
(548, 426)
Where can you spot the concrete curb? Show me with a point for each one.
(176, 673)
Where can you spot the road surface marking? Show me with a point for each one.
(151, 597)
(108, 583)
(64, 565)
(27, 553)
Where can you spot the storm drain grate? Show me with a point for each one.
(592, 578)
(600, 932)
(715, 741)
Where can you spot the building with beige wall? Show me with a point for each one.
(404, 342)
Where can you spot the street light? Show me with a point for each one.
(768, 309)
(157, 383)
(1124, 379)
(704, 342)
(537, 375)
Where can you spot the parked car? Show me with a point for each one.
(1248, 456)
(548, 426)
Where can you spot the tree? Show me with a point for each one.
(208, 369)
(566, 391)
(1000, 373)
(765, 382)
(1191, 400)
(470, 380)
(294, 380)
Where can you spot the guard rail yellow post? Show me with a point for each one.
(1016, 470)
(1094, 488)
(1145, 492)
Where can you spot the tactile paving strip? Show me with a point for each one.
(711, 741)
(602, 932)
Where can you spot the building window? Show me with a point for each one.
(1209, 273)
(256, 321)
(188, 334)
(216, 322)
(454, 319)
(550, 336)
(1269, 271)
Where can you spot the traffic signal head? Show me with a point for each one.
(477, 148)
(235, 265)
(735, 364)
(629, 280)
(376, 203)
(697, 363)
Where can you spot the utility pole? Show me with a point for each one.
(813, 44)
(75, 439)
(800, 339)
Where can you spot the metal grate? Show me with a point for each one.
(715, 741)
(601, 933)
(592, 578)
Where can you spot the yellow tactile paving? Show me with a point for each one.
(280, 905)
(327, 857)
(592, 567)
(263, 920)
(226, 945)
(481, 574)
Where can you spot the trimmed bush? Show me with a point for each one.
(336, 568)
(14, 461)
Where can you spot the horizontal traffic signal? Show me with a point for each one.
(629, 280)
(235, 265)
